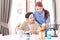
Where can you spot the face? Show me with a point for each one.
(39, 9)
(31, 19)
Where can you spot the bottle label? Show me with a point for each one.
(41, 34)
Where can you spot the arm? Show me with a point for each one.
(44, 25)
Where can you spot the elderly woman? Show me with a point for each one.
(30, 24)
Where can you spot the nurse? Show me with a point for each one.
(42, 16)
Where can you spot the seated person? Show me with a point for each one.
(30, 24)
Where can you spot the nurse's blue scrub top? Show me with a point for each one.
(39, 17)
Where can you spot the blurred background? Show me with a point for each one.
(12, 13)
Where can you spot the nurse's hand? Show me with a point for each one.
(43, 26)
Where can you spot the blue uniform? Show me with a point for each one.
(39, 17)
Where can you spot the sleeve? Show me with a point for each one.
(21, 27)
(48, 19)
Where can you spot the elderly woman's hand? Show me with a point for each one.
(33, 32)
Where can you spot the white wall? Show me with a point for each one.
(58, 11)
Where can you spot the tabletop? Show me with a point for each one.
(16, 37)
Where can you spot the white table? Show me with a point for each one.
(15, 37)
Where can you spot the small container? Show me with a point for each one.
(49, 34)
(33, 36)
(52, 32)
(19, 33)
(42, 34)
(27, 35)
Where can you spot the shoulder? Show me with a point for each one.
(24, 23)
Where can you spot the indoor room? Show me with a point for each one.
(29, 20)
